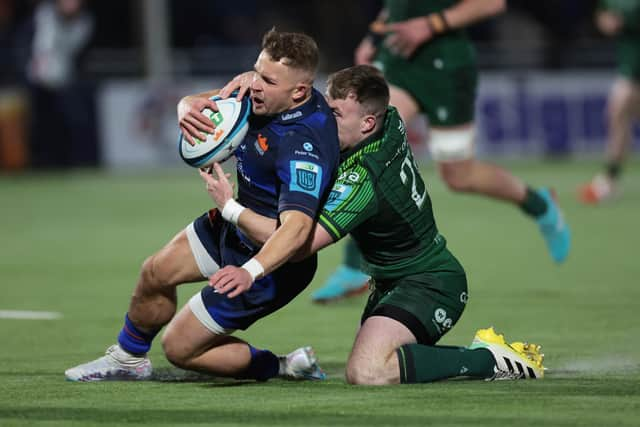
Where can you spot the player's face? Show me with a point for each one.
(350, 120)
(275, 87)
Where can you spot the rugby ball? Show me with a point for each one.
(231, 124)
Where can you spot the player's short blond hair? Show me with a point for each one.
(296, 50)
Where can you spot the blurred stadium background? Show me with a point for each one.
(545, 72)
(77, 219)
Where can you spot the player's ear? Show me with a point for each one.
(300, 91)
(368, 123)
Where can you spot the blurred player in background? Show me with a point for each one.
(419, 289)
(620, 19)
(430, 65)
(60, 124)
(286, 165)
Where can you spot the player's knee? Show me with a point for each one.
(370, 373)
(175, 352)
(456, 179)
(153, 276)
(619, 111)
(148, 274)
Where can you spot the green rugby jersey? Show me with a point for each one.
(380, 199)
(628, 41)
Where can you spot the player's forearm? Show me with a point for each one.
(321, 239)
(255, 226)
(467, 12)
(285, 241)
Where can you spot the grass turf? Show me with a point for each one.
(73, 243)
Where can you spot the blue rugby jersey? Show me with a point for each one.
(289, 161)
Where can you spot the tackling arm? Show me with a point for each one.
(259, 228)
(406, 36)
(278, 249)
(466, 12)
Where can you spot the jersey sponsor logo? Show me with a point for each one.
(307, 146)
(290, 116)
(464, 297)
(349, 176)
(261, 144)
(306, 154)
(339, 193)
(441, 321)
(305, 177)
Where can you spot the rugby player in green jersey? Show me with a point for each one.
(429, 62)
(419, 289)
(620, 19)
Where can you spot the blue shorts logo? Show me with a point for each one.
(305, 177)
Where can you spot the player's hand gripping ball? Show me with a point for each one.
(231, 123)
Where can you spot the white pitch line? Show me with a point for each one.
(29, 315)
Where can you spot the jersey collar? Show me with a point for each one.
(300, 112)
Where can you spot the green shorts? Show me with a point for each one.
(442, 79)
(427, 304)
(629, 57)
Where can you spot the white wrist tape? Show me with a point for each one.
(255, 269)
(231, 211)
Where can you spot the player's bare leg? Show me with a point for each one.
(373, 359)
(622, 109)
(152, 306)
(190, 345)
(473, 176)
(153, 303)
(386, 352)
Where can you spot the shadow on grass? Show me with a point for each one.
(175, 375)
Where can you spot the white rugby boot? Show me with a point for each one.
(115, 365)
(514, 361)
(301, 364)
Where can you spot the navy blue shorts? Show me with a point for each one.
(219, 241)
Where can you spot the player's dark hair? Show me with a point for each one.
(367, 84)
(296, 50)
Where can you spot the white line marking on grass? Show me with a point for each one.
(29, 315)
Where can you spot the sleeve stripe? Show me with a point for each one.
(331, 229)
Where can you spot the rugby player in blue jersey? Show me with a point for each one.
(285, 168)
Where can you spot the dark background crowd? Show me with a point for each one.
(55, 54)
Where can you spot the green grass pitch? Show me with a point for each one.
(73, 243)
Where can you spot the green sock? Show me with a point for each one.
(613, 170)
(423, 363)
(352, 255)
(533, 205)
